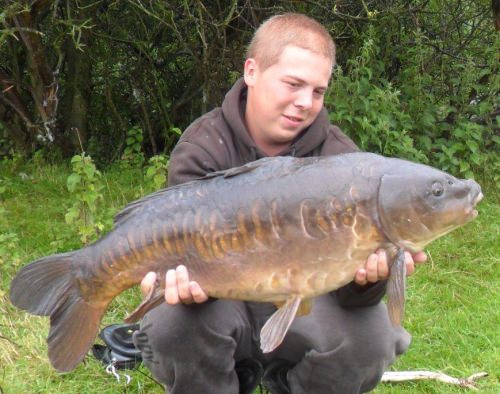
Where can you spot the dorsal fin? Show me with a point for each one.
(134, 206)
(230, 172)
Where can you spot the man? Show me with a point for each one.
(212, 346)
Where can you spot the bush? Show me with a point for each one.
(445, 117)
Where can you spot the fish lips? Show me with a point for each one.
(472, 212)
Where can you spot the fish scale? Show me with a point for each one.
(280, 230)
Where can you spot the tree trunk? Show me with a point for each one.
(77, 94)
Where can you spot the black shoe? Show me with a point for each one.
(275, 377)
(119, 350)
(249, 372)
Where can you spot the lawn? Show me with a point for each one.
(452, 304)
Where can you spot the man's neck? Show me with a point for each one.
(273, 150)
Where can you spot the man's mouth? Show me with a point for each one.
(293, 118)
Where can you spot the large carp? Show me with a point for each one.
(281, 230)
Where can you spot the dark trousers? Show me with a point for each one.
(193, 349)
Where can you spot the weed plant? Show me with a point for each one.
(452, 304)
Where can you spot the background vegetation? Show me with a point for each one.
(94, 95)
(414, 78)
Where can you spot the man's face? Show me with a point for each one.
(285, 98)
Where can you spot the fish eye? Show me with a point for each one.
(437, 189)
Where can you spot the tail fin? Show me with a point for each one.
(47, 287)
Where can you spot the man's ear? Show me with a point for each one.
(250, 71)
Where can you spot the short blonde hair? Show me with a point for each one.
(299, 30)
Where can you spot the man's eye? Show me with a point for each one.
(293, 84)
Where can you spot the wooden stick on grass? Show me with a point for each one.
(399, 376)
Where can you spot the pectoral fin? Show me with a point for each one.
(396, 289)
(304, 307)
(274, 330)
(154, 298)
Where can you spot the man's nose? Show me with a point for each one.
(304, 99)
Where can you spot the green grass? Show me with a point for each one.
(452, 305)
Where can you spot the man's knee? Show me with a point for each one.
(350, 356)
(369, 334)
(352, 367)
(164, 327)
(179, 330)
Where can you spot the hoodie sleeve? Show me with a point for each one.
(353, 295)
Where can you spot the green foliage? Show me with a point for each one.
(416, 80)
(155, 176)
(9, 248)
(461, 153)
(12, 162)
(452, 105)
(85, 185)
(406, 101)
(3, 187)
(369, 109)
(6, 146)
(132, 155)
(9, 243)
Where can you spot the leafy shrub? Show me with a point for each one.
(155, 176)
(132, 155)
(85, 185)
(407, 102)
(368, 108)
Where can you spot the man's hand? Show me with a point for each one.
(377, 268)
(178, 287)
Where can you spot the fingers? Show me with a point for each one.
(183, 285)
(171, 292)
(147, 283)
(410, 264)
(197, 293)
(371, 267)
(375, 269)
(360, 277)
(382, 266)
(412, 260)
(420, 257)
(179, 289)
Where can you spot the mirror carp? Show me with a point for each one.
(280, 230)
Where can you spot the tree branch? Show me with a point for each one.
(398, 376)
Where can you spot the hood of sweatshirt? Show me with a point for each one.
(233, 110)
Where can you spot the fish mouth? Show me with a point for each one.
(472, 211)
(478, 198)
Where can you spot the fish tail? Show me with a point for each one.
(47, 287)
